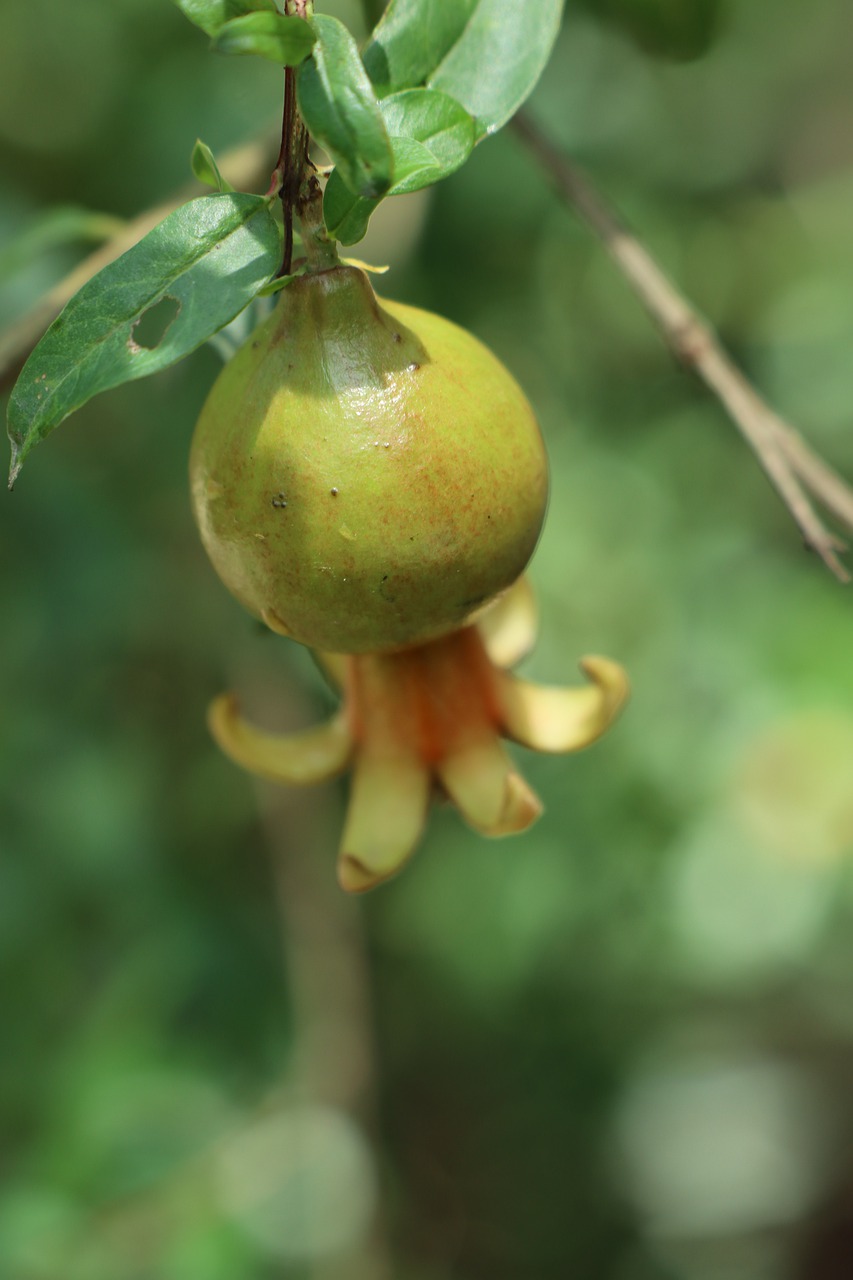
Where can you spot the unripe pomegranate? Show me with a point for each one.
(366, 476)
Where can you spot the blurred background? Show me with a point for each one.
(620, 1046)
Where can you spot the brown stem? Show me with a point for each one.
(292, 160)
(792, 467)
(292, 165)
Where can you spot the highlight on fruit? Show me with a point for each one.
(369, 480)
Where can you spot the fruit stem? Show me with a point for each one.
(293, 162)
(320, 251)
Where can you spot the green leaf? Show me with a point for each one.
(435, 120)
(206, 169)
(346, 216)
(431, 136)
(340, 109)
(64, 225)
(210, 15)
(414, 166)
(203, 264)
(285, 41)
(412, 39)
(499, 57)
(275, 286)
(488, 54)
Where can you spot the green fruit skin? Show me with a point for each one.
(365, 477)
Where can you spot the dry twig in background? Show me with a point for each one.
(798, 474)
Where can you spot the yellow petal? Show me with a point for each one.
(554, 719)
(475, 779)
(509, 628)
(297, 758)
(366, 266)
(521, 809)
(385, 818)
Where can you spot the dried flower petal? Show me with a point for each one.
(385, 818)
(547, 718)
(521, 809)
(299, 759)
(477, 779)
(433, 714)
(509, 628)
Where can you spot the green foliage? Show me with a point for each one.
(285, 41)
(431, 136)
(488, 54)
(480, 59)
(563, 1024)
(437, 76)
(209, 258)
(340, 109)
(205, 168)
(212, 15)
(495, 63)
(412, 39)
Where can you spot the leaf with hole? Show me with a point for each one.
(285, 41)
(209, 257)
(211, 15)
(341, 112)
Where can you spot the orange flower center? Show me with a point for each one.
(432, 700)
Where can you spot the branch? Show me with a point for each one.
(243, 167)
(797, 473)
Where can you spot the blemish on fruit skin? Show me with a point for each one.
(413, 367)
(346, 532)
(279, 501)
(334, 493)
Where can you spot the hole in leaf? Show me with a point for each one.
(152, 326)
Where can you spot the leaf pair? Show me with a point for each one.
(431, 136)
(441, 74)
(487, 54)
(437, 75)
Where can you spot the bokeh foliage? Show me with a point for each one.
(617, 1047)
